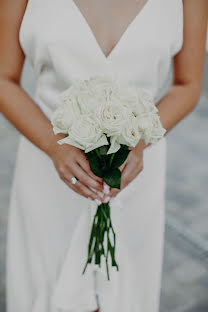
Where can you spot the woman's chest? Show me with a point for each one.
(61, 22)
(109, 20)
(57, 39)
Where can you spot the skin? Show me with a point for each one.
(25, 115)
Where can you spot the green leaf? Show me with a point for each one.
(113, 178)
(103, 150)
(95, 164)
(120, 156)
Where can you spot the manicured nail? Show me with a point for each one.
(107, 199)
(101, 194)
(93, 189)
(106, 189)
(98, 202)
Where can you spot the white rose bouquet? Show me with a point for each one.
(104, 117)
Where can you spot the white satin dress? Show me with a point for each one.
(49, 224)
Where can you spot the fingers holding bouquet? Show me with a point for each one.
(105, 120)
(130, 169)
(73, 168)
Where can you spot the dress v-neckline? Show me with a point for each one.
(122, 37)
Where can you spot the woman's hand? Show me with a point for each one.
(71, 161)
(129, 170)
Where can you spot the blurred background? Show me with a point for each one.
(185, 270)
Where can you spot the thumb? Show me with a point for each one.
(123, 165)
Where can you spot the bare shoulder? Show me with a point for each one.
(188, 63)
(195, 10)
(12, 8)
(195, 22)
(11, 54)
(195, 18)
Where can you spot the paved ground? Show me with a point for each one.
(185, 276)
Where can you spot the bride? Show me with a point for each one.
(54, 192)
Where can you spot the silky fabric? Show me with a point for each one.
(49, 224)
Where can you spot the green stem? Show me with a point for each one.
(101, 228)
(98, 153)
(107, 251)
(111, 159)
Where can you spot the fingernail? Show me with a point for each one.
(107, 199)
(98, 202)
(101, 194)
(106, 189)
(93, 189)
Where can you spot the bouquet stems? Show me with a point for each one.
(102, 231)
(103, 238)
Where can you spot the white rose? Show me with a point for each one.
(130, 135)
(85, 134)
(100, 90)
(139, 101)
(62, 119)
(145, 101)
(78, 101)
(112, 118)
(87, 95)
(150, 127)
(114, 145)
(100, 84)
(101, 106)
